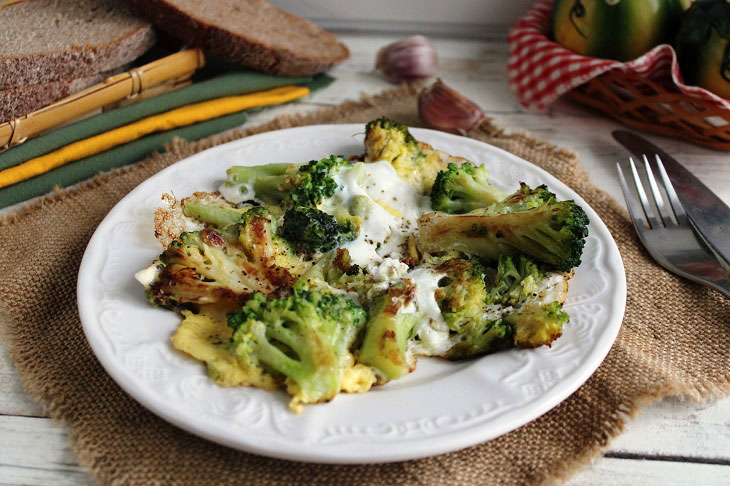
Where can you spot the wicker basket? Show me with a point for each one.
(646, 93)
(647, 105)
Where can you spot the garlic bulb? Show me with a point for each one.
(408, 59)
(445, 109)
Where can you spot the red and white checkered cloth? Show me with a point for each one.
(541, 70)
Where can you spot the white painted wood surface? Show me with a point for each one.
(670, 443)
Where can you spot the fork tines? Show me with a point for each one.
(669, 214)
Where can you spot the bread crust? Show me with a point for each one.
(75, 62)
(238, 47)
(18, 102)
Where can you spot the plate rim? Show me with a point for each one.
(449, 443)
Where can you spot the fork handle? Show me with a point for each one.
(721, 284)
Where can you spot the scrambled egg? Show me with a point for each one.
(204, 336)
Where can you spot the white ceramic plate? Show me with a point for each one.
(440, 407)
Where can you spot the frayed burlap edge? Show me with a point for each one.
(488, 130)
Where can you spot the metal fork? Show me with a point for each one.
(669, 236)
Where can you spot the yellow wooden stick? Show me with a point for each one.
(178, 117)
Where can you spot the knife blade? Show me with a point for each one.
(710, 216)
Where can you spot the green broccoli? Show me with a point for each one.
(335, 272)
(389, 328)
(217, 215)
(530, 326)
(550, 231)
(513, 284)
(462, 189)
(268, 182)
(483, 320)
(225, 264)
(302, 339)
(316, 181)
(288, 185)
(389, 140)
(524, 199)
(478, 337)
(537, 324)
(461, 295)
(310, 230)
(415, 162)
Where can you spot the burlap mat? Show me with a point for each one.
(675, 340)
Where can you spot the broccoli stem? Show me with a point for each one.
(477, 195)
(215, 215)
(384, 346)
(269, 189)
(266, 180)
(315, 367)
(241, 175)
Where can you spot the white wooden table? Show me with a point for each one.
(670, 443)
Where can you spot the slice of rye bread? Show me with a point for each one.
(17, 102)
(253, 33)
(52, 40)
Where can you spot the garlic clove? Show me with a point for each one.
(408, 59)
(445, 109)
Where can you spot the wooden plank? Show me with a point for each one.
(650, 473)
(22, 439)
(35, 451)
(13, 400)
(15, 475)
(23, 461)
(433, 12)
(676, 428)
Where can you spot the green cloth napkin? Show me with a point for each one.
(224, 85)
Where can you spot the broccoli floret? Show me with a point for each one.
(462, 299)
(537, 324)
(482, 320)
(332, 267)
(390, 326)
(310, 230)
(550, 231)
(316, 181)
(415, 162)
(382, 132)
(513, 284)
(386, 139)
(524, 199)
(226, 264)
(302, 339)
(531, 326)
(335, 271)
(462, 189)
(515, 315)
(288, 185)
(462, 294)
(477, 337)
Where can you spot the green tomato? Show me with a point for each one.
(703, 46)
(615, 29)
